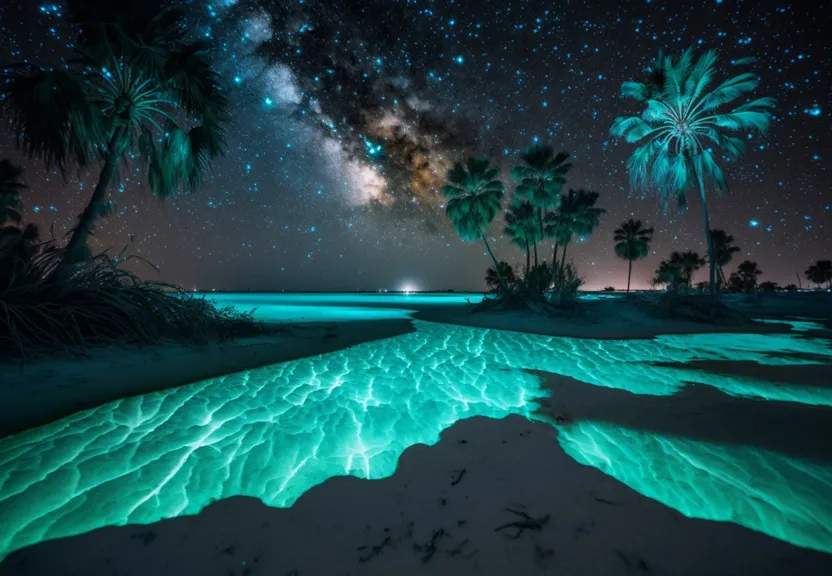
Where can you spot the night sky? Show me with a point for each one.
(346, 116)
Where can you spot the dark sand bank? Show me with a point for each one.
(811, 375)
(615, 318)
(492, 497)
(51, 388)
(698, 412)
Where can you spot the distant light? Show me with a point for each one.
(407, 288)
(459, 59)
(753, 223)
(268, 101)
(237, 80)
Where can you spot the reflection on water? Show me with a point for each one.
(276, 431)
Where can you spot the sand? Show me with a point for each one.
(48, 389)
(492, 497)
(618, 318)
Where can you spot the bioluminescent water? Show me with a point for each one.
(334, 307)
(277, 431)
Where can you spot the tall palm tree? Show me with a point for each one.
(684, 131)
(541, 178)
(632, 243)
(10, 187)
(523, 227)
(134, 88)
(748, 272)
(474, 193)
(578, 215)
(723, 251)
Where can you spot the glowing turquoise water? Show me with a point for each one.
(346, 307)
(276, 431)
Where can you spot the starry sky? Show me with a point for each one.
(347, 114)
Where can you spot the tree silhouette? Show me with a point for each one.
(523, 227)
(10, 187)
(474, 194)
(506, 272)
(135, 87)
(686, 128)
(748, 272)
(541, 177)
(820, 272)
(577, 215)
(724, 250)
(677, 271)
(632, 242)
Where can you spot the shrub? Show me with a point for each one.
(99, 303)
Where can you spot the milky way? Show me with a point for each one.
(347, 114)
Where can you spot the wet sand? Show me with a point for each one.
(492, 497)
(50, 388)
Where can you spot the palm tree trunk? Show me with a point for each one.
(629, 274)
(528, 258)
(562, 262)
(493, 259)
(535, 254)
(78, 241)
(555, 257)
(711, 261)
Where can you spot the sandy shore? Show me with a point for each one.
(617, 318)
(48, 389)
(492, 497)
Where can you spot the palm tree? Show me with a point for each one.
(541, 177)
(577, 215)
(748, 272)
(10, 188)
(723, 250)
(684, 131)
(506, 272)
(134, 88)
(632, 243)
(677, 271)
(474, 194)
(522, 227)
(820, 272)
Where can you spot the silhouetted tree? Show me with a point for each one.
(579, 216)
(134, 87)
(677, 271)
(474, 194)
(724, 250)
(683, 131)
(523, 227)
(492, 278)
(632, 242)
(541, 177)
(748, 272)
(11, 186)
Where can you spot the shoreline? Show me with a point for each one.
(614, 319)
(51, 388)
(456, 507)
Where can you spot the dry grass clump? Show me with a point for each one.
(45, 310)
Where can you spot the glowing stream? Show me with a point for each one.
(276, 431)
